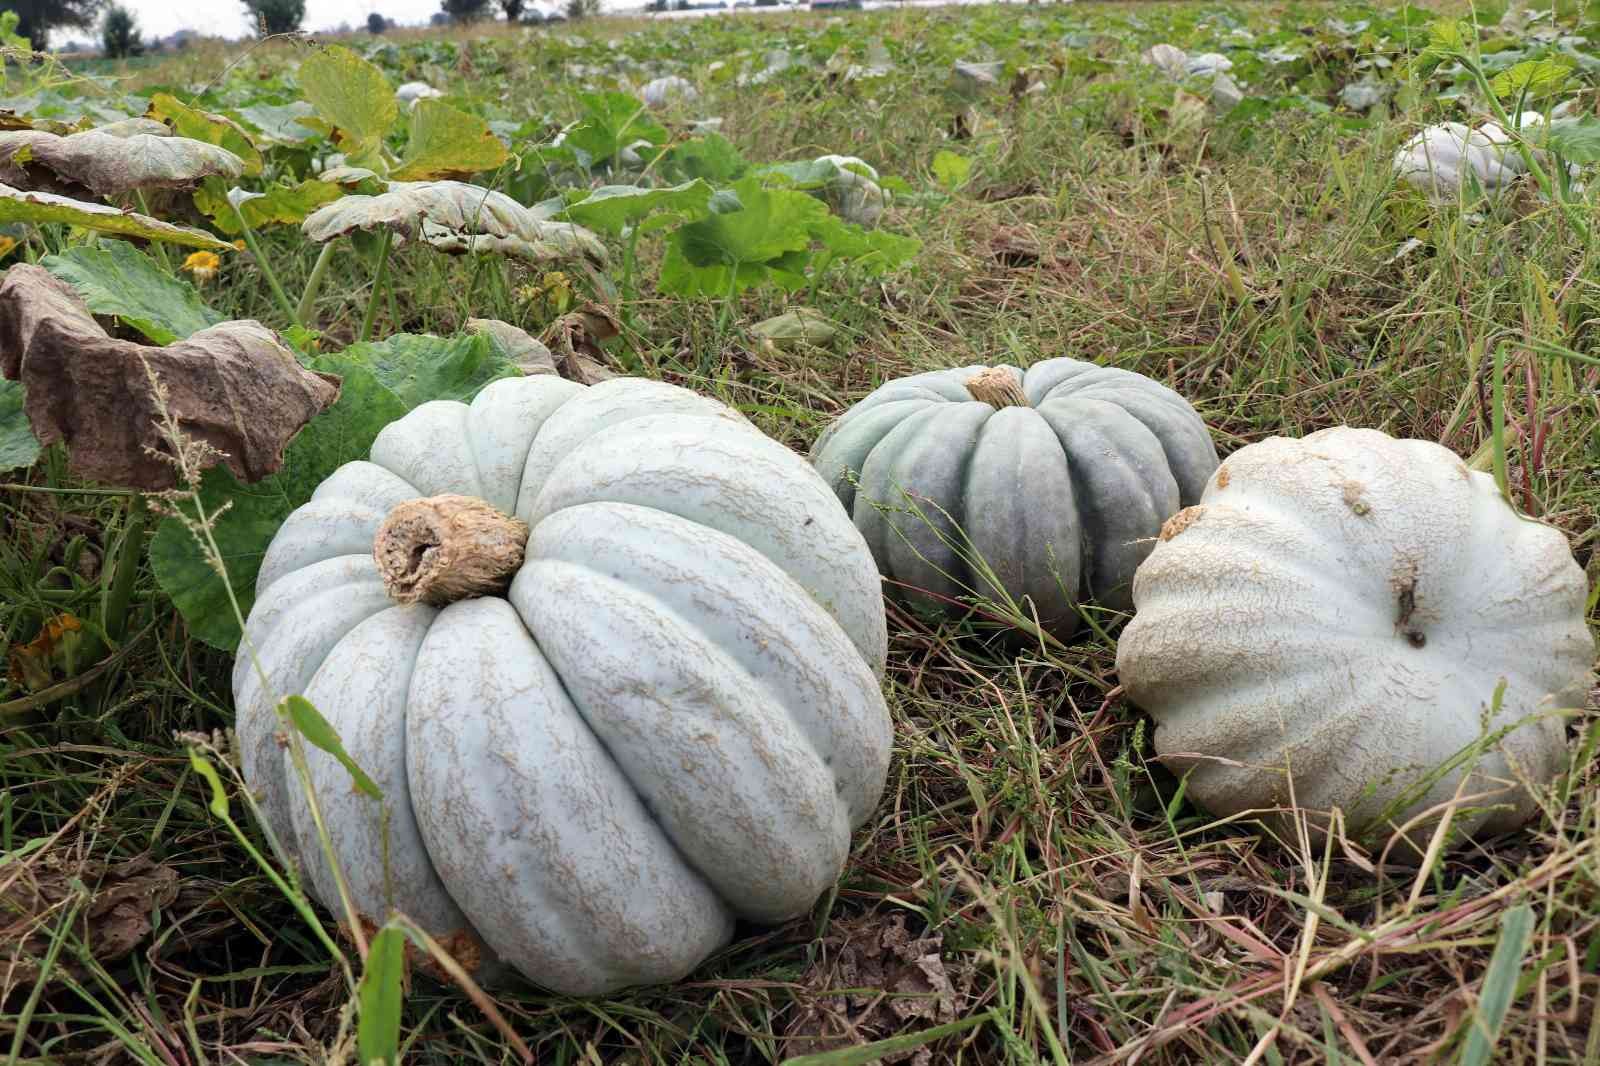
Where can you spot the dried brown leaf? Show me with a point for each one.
(113, 921)
(904, 980)
(234, 387)
(575, 340)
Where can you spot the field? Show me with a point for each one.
(1034, 887)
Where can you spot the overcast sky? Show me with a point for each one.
(227, 18)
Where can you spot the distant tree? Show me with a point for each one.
(276, 16)
(119, 34)
(439, 18)
(376, 23)
(36, 18)
(582, 9)
(465, 10)
(513, 9)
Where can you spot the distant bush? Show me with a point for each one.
(119, 34)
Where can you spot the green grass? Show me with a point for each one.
(1077, 907)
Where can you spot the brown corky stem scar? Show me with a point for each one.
(442, 549)
(998, 387)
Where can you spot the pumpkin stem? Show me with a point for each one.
(998, 387)
(442, 549)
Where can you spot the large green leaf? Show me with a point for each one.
(281, 122)
(18, 446)
(1577, 140)
(611, 122)
(381, 382)
(765, 240)
(611, 208)
(118, 279)
(354, 97)
(275, 205)
(711, 156)
(41, 207)
(419, 367)
(447, 143)
(1533, 78)
(200, 125)
(380, 999)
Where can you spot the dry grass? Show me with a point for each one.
(1031, 869)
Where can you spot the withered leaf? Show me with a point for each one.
(903, 980)
(575, 340)
(234, 386)
(458, 218)
(109, 163)
(34, 897)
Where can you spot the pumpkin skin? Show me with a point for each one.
(1061, 496)
(1345, 605)
(672, 718)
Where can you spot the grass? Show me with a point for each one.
(1033, 887)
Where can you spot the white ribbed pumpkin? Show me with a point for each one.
(670, 719)
(1345, 606)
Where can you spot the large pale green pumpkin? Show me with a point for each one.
(671, 718)
(1045, 488)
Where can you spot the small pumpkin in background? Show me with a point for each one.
(612, 656)
(1338, 615)
(1048, 486)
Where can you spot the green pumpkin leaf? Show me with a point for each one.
(612, 208)
(281, 123)
(41, 207)
(381, 382)
(874, 250)
(354, 98)
(318, 731)
(766, 239)
(950, 169)
(418, 367)
(611, 122)
(18, 446)
(1534, 78)
(712, 157)
(1576, 140)
(448, 143)
(379, 999)
(118, 279)
(274, 206)
(343, 432)
(200, 125)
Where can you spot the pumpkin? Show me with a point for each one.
(1048, 486)
(1443, 160)
(853, 192)
(1338, 614)
(613, 658)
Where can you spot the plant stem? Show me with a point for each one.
(629, 257)
(378, 280)
(1497, 431)
(266, 269)
(114, 615)
(304, 312)
(161, 249)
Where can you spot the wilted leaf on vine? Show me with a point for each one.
(204, 126)
(276, 205)
(233, 386)
(52, 655)
(455, 217)
(107, 164)
(801, 325)
(354, 98)
(37, 207)
(447, 143)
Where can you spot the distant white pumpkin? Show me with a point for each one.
(661, 91)
(412, 91)
(1339, 614)
(1444, 160)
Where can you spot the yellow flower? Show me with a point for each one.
(6, 245)
(203, 265)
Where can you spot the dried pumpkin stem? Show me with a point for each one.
(998, 387)
(441, 549)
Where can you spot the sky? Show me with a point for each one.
(227, 18)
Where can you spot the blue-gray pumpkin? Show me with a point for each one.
(1042, 489)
